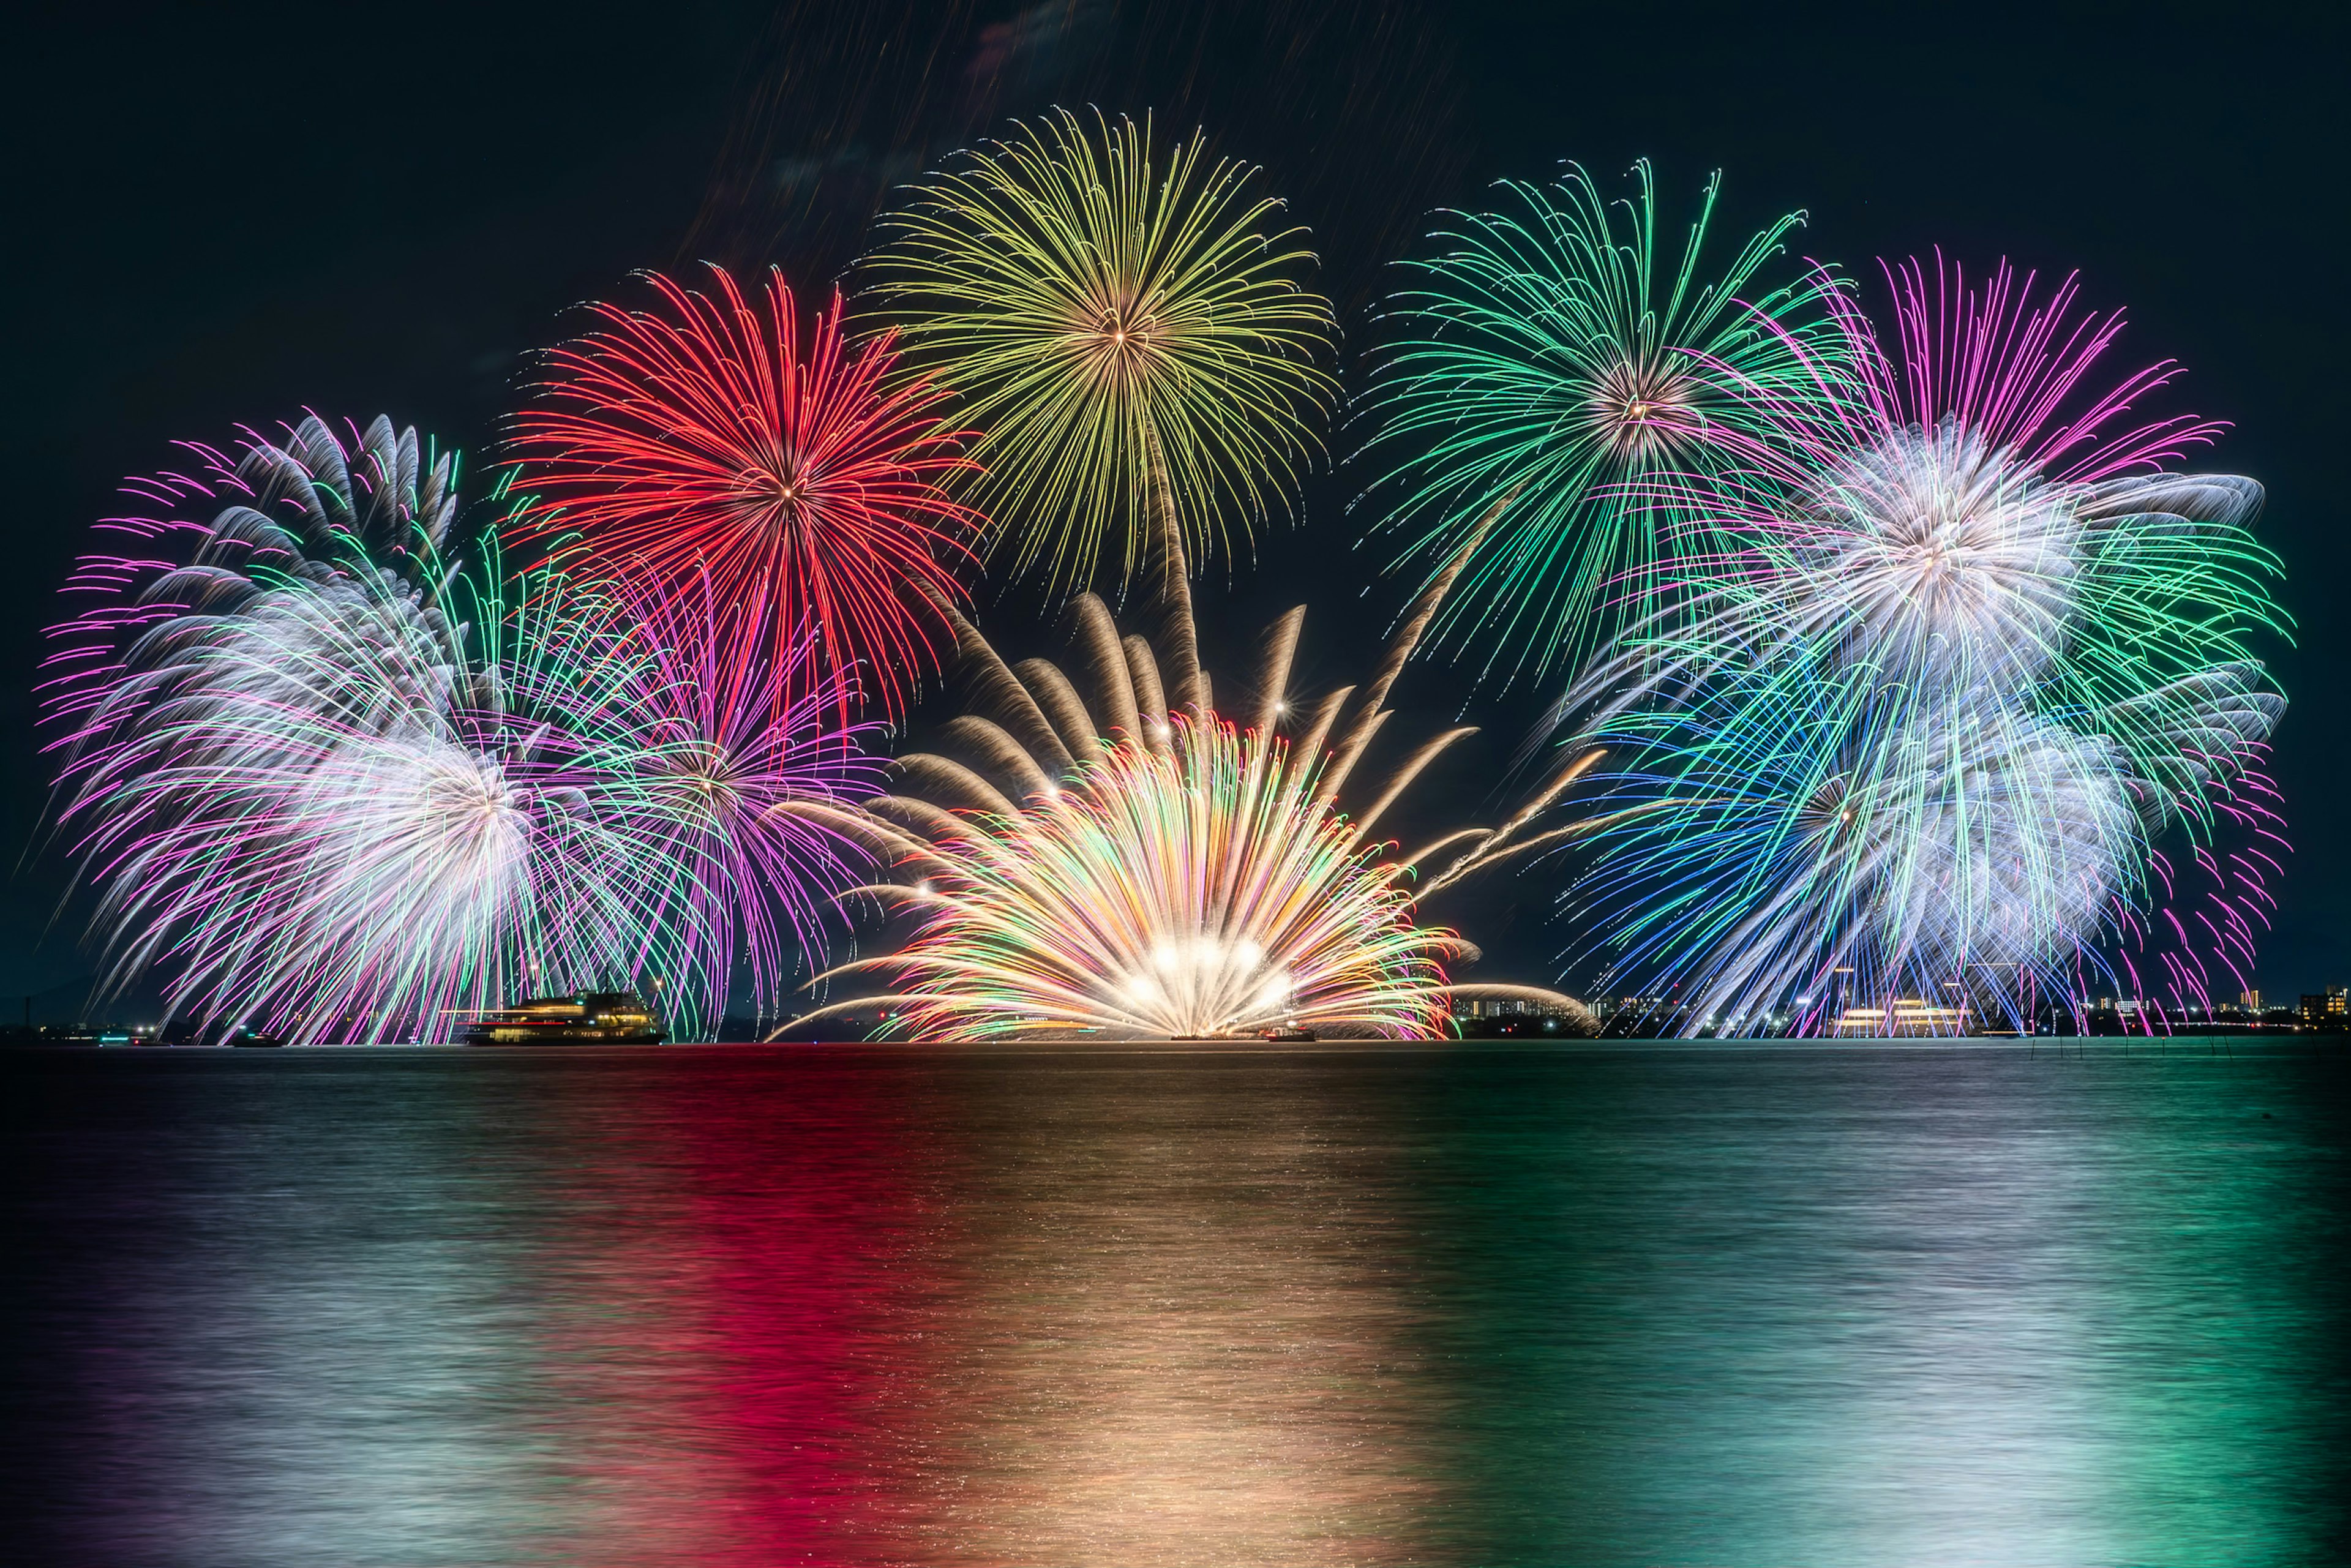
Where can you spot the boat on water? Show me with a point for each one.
(587, 1018)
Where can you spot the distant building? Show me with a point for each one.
(1514, 1007)
(2329, 1008)
(2251, 1001)
(1503, 1016)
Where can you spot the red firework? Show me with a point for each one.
(699, 439)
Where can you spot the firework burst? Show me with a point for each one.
(1751, 868)
(1133, 866)
(1125, 331)
(1966, 523)
(1196, 890)
(329, 785)
(708, 440)
(1972, 652)
(701, 741)
(1557, 353)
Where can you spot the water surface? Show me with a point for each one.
(1463, 1305)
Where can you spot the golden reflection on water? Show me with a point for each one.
(1189, 1348)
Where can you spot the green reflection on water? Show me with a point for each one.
(1890, 1306)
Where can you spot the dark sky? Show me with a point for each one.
(224, 216)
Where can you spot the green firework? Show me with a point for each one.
(1557, 356)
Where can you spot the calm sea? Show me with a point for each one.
(1475, 1305)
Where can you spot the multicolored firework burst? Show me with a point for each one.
(1195, 889)
(1804, 869)
(330, 785)
(1968, 661)
(1963, 522)
(714, 750)
(1137, 867)
(704, 440)
(1126, 333)
(1555, 352)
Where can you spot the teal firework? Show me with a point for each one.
(1559, 357)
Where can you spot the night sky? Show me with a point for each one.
(225, 215)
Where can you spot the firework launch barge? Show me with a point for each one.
(593, 1018)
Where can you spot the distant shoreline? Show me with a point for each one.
(2067, 1044)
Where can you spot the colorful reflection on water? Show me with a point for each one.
(894, 1306)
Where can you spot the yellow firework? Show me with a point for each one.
(1130, 334)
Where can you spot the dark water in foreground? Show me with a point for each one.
(742, 1306)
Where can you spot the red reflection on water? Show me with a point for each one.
(738, 1341)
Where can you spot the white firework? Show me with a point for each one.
(1939, 563)
(304, 815)
(328, 785)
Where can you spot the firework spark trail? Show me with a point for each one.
(1983, 619)
(1124, 332)
(329, 785)
(1555, 351)
(802, 476)
(1201, 890)
(1770, 860)
(1157, 871)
